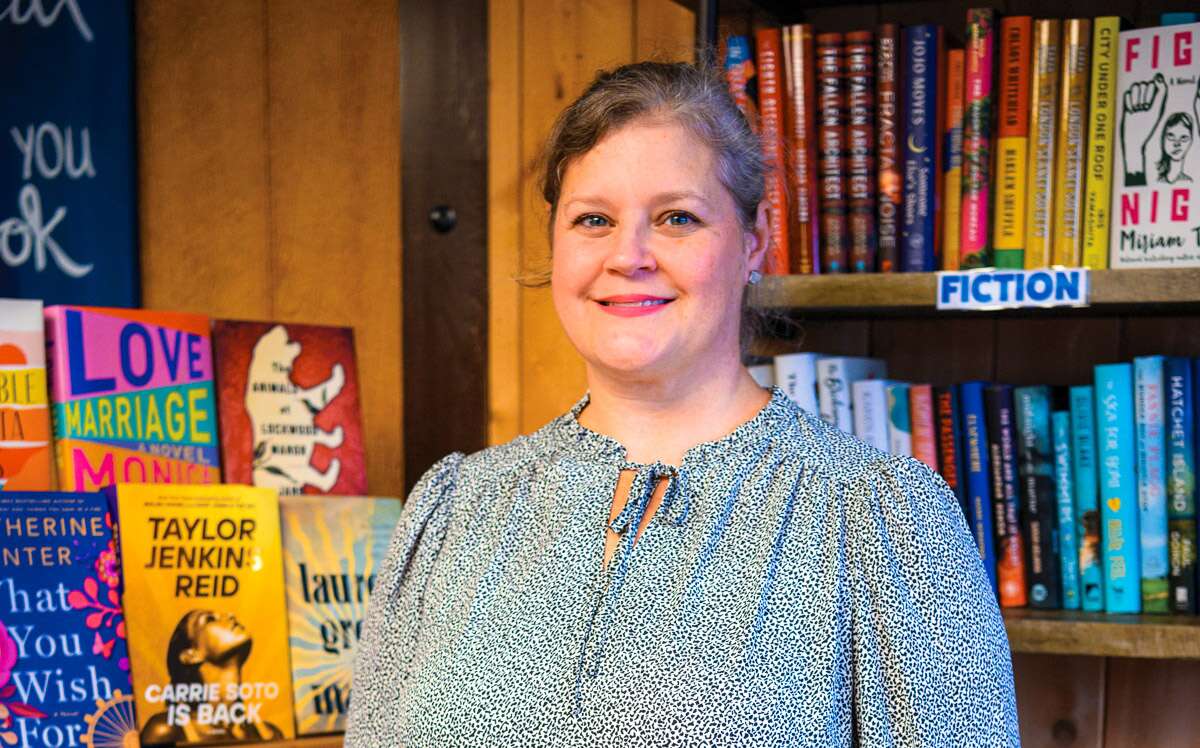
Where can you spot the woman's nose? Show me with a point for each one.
(631, 250)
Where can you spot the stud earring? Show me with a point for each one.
(754, 278)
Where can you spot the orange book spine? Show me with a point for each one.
(770, 104)
(802, 152)
(924, 432)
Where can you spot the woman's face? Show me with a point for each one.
(217, 635)
(1176, 140)
(650, 257)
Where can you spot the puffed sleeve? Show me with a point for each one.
(930, 657)
(395, 610)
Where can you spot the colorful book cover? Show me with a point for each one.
(860, 154)
(289, 402)
(796, 373)
(1102, 113)
(978, 478)
(831, 159)
(1043, 120)
(888, 136)
(1087, 502)
(802, 152)
(1116, 437)
(1039, 510)
(1071, 142)
(207, 639)
(1151, 481)
(739, 72)
(836, 376)
(975, 242)
(133, 397)
(1181, 484)
(924, 430)
(771, 132)
(1158, 112)
(899, 419)
(949, 442)
(952, 163)
(1064, 483)
(1006, 499)
(870, 406)
(1012, 141)
(64, 670)
(922, 55)
(331, 549)
(25, 461)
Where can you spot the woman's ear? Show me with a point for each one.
(191, 656)
(758, 239)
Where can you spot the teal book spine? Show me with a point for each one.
(1065, 494)
(1151, 482)
(1181, 484)
(1087, 504)
(1118, 488)
(1039, 510)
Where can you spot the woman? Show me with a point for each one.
(763, 579)
(1175, 141)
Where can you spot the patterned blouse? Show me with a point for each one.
(795, 587)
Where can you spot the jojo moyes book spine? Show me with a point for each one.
(922, 47)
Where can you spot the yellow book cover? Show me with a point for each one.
(1071, 142)
(203, 601)
(1043, 102)
(1101, 128)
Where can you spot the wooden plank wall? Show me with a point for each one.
(269, 158)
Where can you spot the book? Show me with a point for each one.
(1043, 113)
(1154, 164)
(764, 374)
(1035, 468)
(1006, 499)
(952, 147)
(739, 73)
(924, 430)
(771, 133)
(331, 549)
(870, 408)
(922, 56)
(949, 445)
(133, 397)
(1087, 504)
(975, 243)
(860, 150)
(801, 104)
(25, 453)
(208, 641)
(1100, 141)
(62, 630)
(1012, 141)
(1064, 485)
(1181, 483)
(289, 402)
(888, 137)
(831, 157)
(1151, 481)
(836, 376)
(1115, 438)
(1071, 142)
(978, 478)
(899, 419)
(796, 374)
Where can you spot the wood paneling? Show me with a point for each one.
(1060, 700)
(664, 30)
(1152, 703)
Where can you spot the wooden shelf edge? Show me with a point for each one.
(1103, 635)
(316, 741)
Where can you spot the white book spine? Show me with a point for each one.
(796, 373)
(870, 412)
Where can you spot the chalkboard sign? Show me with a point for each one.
(67, 171)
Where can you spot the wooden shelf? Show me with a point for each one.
(1103, 635)
(870, 293)
(319, 741)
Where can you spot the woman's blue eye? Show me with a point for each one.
(591, 220)
(681, 219)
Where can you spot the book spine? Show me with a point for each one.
(1035, 466)
(739, 69)
(770, 105)
(979, 501)
(871, 412)
(1087, 505)
(1064, 482)
(1006, 503)
(1101, 126)
(952, 145)
(975, 247)
(1043, 103)
(888, 134)
(924, 432)
(949, 446)
(1071, 144)
(860, 160)
(831, 143)
(900, 425)
(802, 161)
(1181, 484)
(922, 47)
(1151, 481)
(1012, 141)
(796, 373)
(833, 394)
(1118, 485)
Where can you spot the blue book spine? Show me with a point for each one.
(1115, 438)
(1151, 481)
(1064, 484)
(1087, 504)
(979, 494)
(1039, 509)
(1181, 484)
(922, 54)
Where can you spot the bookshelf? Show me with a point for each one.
(318, 741)
(1065, 632)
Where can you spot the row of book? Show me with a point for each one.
(1078, 498)
(151, 614)
(1041, 142)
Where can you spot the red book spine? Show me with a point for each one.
(860, 161)
(770, 107)
(887, 124)
(924, 433)
(802, 142)
(831, 139)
